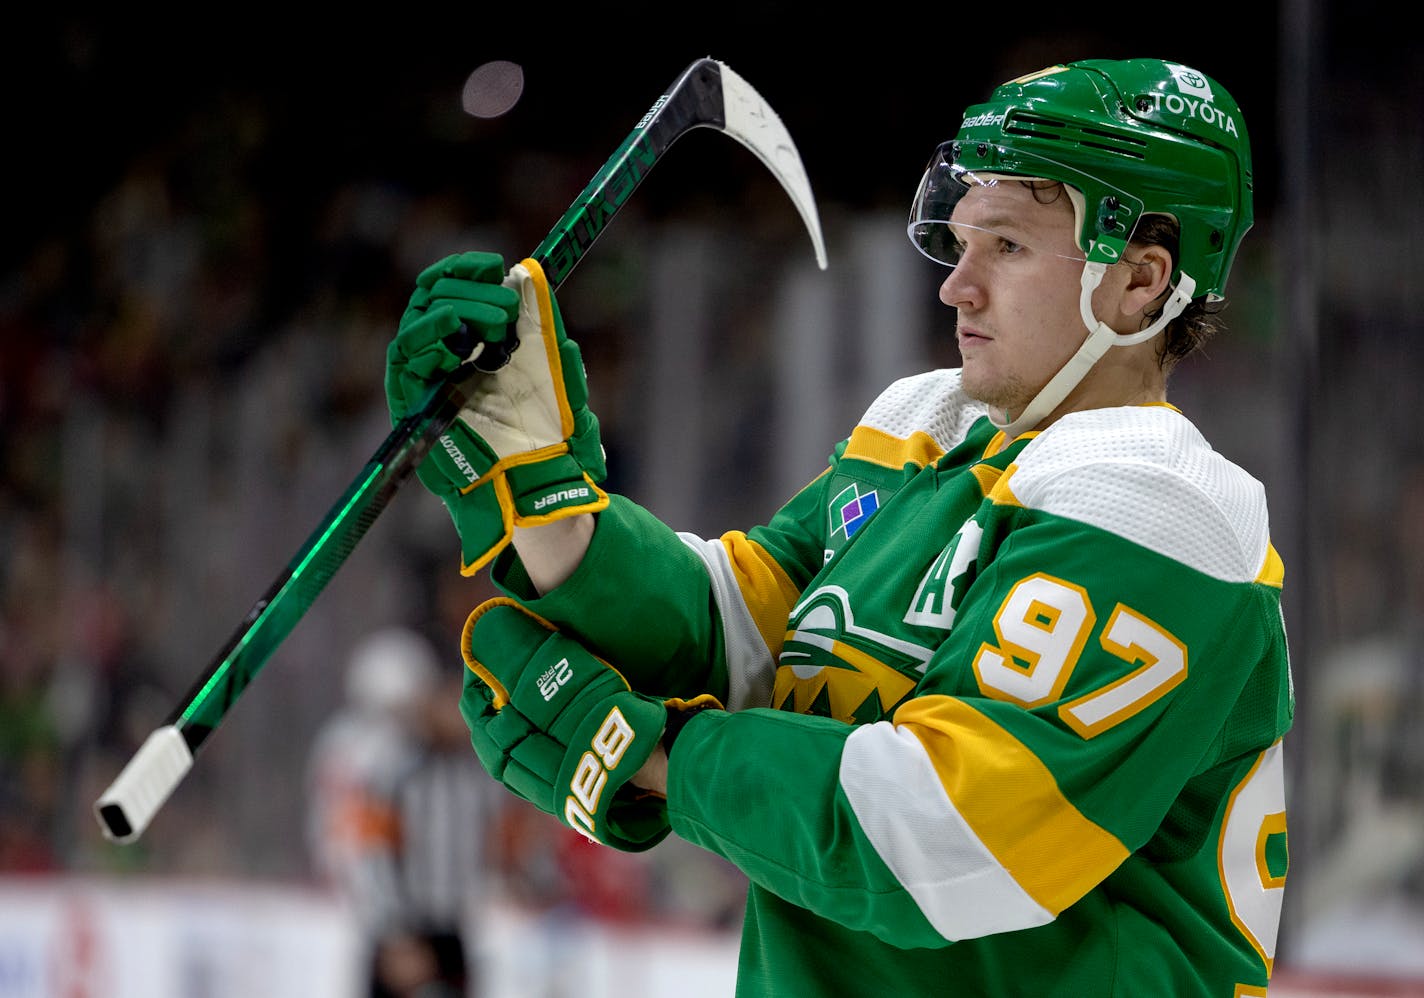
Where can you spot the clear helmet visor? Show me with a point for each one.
(936, 233)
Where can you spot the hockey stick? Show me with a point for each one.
(707, 94)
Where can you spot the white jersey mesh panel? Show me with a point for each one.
(1146, 474)
(932, 403)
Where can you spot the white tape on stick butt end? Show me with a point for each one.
(135, 796)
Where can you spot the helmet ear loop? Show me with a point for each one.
(1177, 301)
(1106, 251)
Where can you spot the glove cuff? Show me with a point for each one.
(549, 485)
(525, 491)
(680, 711)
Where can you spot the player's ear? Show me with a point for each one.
(1149, 271)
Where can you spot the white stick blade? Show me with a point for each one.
(126, 808)
(753, 123)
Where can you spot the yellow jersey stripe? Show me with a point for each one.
(1273, 570)
(1001, 493)
(767, 591)
(1012, 802)
(987, 476)
(889, 451)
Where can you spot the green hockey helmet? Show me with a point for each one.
(1128, 138)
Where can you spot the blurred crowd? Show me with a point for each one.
(191, 377)
(187, 382)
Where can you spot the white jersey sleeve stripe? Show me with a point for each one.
(750, 668)
(902, 808)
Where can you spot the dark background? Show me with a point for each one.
(866, 93)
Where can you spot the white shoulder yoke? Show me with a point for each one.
(1146, 473)
(932, 403)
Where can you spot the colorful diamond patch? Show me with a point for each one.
(850, 509)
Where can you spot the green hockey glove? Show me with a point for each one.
(525, 448)
(560, 728)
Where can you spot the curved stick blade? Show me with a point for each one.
(752, 122)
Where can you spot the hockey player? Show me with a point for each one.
(994, 705)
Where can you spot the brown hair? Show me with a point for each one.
(1198, 322)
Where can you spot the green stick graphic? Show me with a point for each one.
(706, 94)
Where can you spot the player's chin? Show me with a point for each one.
(977, 381)
(983, 384)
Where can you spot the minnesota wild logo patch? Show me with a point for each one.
(850, 509)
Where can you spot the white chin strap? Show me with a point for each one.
(1101, 338)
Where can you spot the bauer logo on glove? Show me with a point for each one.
(605, 752)
(581, 494)
(559, 727)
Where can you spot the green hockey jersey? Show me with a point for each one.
(1005, 716)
